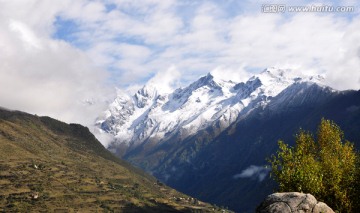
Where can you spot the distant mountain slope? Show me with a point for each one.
(227, 169)
(50, 166)
(211, 138)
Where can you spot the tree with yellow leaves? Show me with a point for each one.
(326, 167)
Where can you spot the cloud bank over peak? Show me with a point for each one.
(57, 56)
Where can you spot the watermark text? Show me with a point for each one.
(282, 8)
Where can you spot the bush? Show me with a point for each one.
(326, 168)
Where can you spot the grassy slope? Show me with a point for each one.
(71, 171)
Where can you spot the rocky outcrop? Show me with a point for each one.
(292, 202)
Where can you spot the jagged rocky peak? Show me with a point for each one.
(145, 95)
(207, 80)
(148, 90)
(208, 101)
(252, 82)
(206, 84)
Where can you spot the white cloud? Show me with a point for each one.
(238, 74)
(25, 34)
(166, 80)
(253, 172)
(45, 76)
(197, 42)
(104, 137)
(137, 39)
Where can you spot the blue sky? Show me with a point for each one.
(133, 40)
(82, 49)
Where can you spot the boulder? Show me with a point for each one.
(292, 202)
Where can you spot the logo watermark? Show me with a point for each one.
(282, 8)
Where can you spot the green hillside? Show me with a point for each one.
(49, 166)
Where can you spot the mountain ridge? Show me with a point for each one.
(48, 165)
(232, 127)
(248, 142)
(149, 115)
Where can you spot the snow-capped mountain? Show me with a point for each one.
(152, 115)
(197, 138)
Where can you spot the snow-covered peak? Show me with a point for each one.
(153, 114)
(274, 80)
(149, 90)
(211, 83)
(207, 80)
(273, 74)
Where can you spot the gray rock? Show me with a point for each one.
(322, 208)
(292, 202)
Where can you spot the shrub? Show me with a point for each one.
(326, 167)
